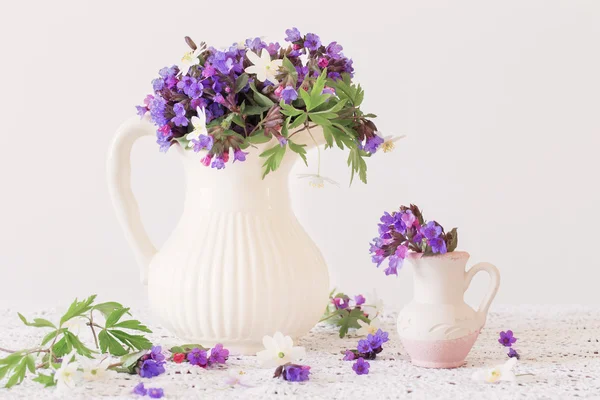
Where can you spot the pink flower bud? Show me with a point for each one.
(323, 62)
(206, 160)
(278, 91)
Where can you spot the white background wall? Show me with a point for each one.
(500, 101)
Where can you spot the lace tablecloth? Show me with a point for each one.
(559, 345)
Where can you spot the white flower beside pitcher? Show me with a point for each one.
(437, 328)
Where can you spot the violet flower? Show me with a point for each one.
(513, 353)
(289, 94)
(361, 367)
(349, 355)
(312, 42)
(239, 155)
(139, 389)
(218, 354)
(506, 338)
(151, 368)
(359, 300)
(198, 357)
(292, 372)
(293, 35)
(156, 393)
(373, 144)
(156, 354)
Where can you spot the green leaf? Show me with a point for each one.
(186, 348)
(301, 119)
(30, 361)
(134, 325)
(316, 93)
(332, 110)
(289, 67)
(115, 316)
(241, 82)
(274, 157)
(37, 322)
(110, 344)
(306, 98)
(289, 110)
(452, 239)
(46, 380)
(18, 374)
(107, 308)
(12, 359)
(328, 136)
(130, 360)
(318, 119)
(4, 370)
(298, 148)
(78, 345)
(78, 308)
(137, 342)
(350, 320)
(62, 347)
(51, 336)
(260, 98)
(258, 137)
(255, 110)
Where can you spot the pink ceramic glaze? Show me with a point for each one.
(440, 353)
(437, 327)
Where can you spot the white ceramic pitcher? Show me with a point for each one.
(238, 265)
(437, 328)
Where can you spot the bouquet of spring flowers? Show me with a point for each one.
(406, 230)
(220, 102)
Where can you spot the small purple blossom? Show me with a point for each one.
(151, 368)
(218, 354)
(256, 45)
(139, 389)
(438, 245)
(203, 142)
(289, 94)
(359, 300)
(375, 341)
(156, 393)
(328, 90)
(141, 110)
(513, 353)
(340, 303)
(218, 163)
(179, 119)
(239, 155)
(431, 230)
(197, 357)
(334, 49)
(373, 144)
(383, 336)
(506, 338)
(361, 367)
(156, 354)
(363, 346)
(282, 141)
(296, 373)
(158, 84)
(334, 76)
(312, 42)
(208, 71)
(349, 355)
(293, 35)
(168, 72)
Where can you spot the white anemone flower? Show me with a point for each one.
(199, 125)
(75, 325)
(190, 59)
(373, 306)
(236, 377)
(264, 68)
(317, 181)
(279, 350)
(498, 373)
(368, 328)
(96, 370)
(68, 374)
(388, 143)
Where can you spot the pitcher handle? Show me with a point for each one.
(119, 185)
(492, 288)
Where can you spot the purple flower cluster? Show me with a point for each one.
(201, 358)
(155, 393)
(292, 372)
(367, 349)
(406, 230)
(343, 302)
(507, 339)
(211, 85)
(151, 364)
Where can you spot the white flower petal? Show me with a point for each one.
(269, 343)
(253, 57)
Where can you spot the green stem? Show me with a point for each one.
(326, 318)
(7, 351)
(91, 324)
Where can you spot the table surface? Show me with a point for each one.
(559, 345)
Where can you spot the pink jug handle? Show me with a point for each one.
(119, 184)
(492, 288)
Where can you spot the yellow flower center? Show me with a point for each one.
(388, 146)
(188, 57)
(493, 376)
(281, 354)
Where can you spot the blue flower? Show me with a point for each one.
(361, 367)
(197, 357)
(373, 144)
(140, 389)
(296, 373)
(156, 393)
(363, 346)
(312, 41)
(289, 94)
(438, 245)
(293, 35)
(218, 163)
(151, 368)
